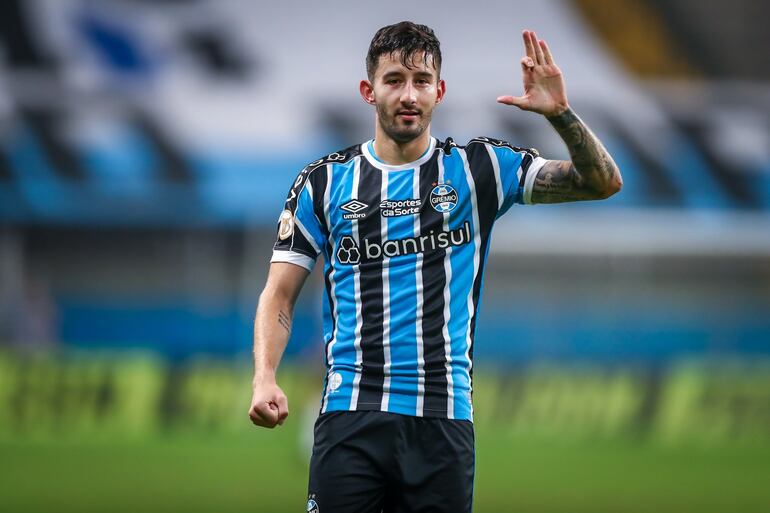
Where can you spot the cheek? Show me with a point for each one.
(383, 98)
(431, 94)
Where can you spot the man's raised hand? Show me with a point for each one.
(544, 90)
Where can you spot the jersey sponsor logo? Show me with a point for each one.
(396, 208)
(349, 252)
(443, 198)
(295, 187)
(503, 144)
(332, 157)
(285, 225)
(354, 209)
(312, 506)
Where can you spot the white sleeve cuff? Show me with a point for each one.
(529, 180)
(293, 258)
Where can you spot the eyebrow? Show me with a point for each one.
(390, 74)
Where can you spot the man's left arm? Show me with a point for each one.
(591, 174)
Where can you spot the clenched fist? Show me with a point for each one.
(269, 406)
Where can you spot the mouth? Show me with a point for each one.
(408, 115)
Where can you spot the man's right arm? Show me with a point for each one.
(272, 327)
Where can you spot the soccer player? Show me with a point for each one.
(403, 222)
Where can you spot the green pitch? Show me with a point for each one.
(548, 440)
(265, 471)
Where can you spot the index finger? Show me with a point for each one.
(529, 46)
(540, 58)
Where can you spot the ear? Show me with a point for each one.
(440, 91)
(367, 91)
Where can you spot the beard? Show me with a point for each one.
(400, 131)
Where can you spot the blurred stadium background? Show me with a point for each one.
(146, 147)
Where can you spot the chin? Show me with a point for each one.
(410, 134)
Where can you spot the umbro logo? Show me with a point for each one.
(354, 209)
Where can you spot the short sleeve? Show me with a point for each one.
(299, 236)
(515, 170)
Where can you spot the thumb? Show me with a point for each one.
(521, 102)
(283, 409)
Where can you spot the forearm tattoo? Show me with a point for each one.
(590, 174)
(284, 321)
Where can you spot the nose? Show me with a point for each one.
(408, 94)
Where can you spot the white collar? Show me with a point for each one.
(409, 165)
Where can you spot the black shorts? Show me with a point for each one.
(373, 462)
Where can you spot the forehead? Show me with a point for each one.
(392, 63)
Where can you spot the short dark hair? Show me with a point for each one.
(410, 39)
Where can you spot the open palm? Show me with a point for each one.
(544, 90)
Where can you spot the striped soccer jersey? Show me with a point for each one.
(404, 249)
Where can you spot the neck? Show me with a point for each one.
(395, 153)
